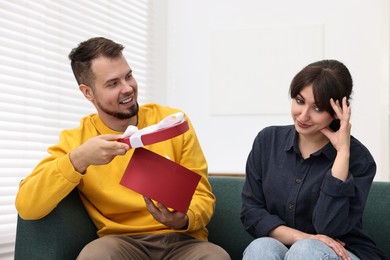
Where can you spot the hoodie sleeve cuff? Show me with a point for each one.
(66, 169)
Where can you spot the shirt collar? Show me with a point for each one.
(292, 135)
(329, 151)
(292, 144)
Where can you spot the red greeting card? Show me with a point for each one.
(160, 179)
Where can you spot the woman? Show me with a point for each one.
(307, 184)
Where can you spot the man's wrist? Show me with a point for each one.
(76, 162)
(185, 226)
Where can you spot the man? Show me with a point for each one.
(90, 158)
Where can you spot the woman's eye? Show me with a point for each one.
(299, 101)
(317, 109)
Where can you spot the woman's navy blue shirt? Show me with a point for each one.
(282, 188)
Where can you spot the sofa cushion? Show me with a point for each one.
(225, 228)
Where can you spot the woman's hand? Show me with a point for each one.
(336, 245)
(289, 236)
(341, 138)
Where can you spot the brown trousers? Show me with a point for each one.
(154, 247)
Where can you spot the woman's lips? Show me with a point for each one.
(302, 125)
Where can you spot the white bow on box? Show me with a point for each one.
(169, 127)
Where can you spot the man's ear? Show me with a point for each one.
(87, 91)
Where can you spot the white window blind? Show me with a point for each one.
(39, 96)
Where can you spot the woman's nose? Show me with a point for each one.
(305, 114)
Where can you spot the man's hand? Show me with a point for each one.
(172, 219)
(98, 150)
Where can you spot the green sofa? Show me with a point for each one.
(63, 233)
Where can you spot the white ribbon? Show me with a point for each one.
(135, 134)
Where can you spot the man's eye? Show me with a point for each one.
(113, 84)
(129, 76)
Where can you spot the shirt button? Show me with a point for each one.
(291, 206)
(298, 181)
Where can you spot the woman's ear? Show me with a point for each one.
(87, 91)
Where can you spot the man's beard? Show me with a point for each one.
(133, 111)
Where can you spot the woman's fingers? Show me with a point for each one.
(336, 245)
(336, 108)
(341, 110)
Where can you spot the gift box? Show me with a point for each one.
(167, 128)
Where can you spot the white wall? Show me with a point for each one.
(354, 32)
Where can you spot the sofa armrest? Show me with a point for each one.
(376, 215)
(60, 235)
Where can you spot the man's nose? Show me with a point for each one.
(126, 87)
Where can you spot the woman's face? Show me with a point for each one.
(308, 118)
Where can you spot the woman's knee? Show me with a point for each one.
(265, 248)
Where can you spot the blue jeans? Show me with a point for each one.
(305, 249)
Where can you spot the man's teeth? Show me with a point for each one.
(126, 100)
